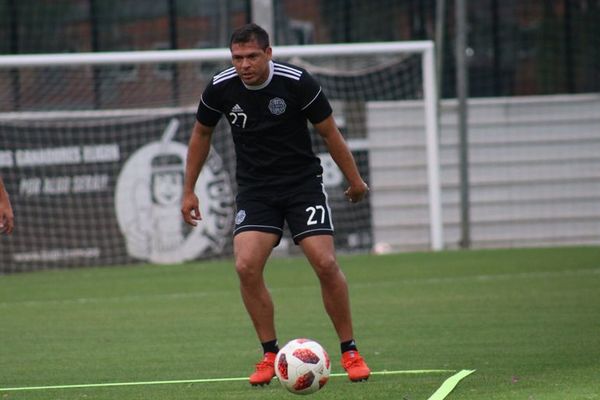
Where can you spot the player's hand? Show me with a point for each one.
(190, 209)
(7, 219)
(6, 224)
(357, 192)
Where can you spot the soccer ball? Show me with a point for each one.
(302, 366)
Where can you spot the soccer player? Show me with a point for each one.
(267, 105)
(7, 218)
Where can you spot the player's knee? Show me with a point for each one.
(326, 266)
(247, 270)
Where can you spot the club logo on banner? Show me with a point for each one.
(148, 200)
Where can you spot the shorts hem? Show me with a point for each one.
(316, 232)
(259, 228)
(266, 229)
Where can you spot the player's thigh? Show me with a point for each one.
(252, 249)
(258, 228)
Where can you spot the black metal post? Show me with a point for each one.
(95, 43)
(497, 51)
(440, 35)
(568, 38)
(173, 45)
(14, 49)
(462, 94)
(411, 19)
(249, 11)
(347, 22)
(422, 12)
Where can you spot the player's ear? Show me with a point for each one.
(269, 52)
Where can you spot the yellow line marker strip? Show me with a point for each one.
(209, 380)
(449, 384)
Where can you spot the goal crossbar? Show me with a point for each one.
(189, 55)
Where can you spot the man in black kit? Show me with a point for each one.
(267, 104)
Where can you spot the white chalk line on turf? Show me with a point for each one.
(207, 380)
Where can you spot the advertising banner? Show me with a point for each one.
(101, 192)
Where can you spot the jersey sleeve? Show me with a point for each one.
(208, 112)
(315, 105)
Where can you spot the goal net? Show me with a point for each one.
(93, 146)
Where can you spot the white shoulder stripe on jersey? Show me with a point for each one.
(224, 78)
(285, 71)
(285, 67)
(290, 69)
(314, 98)
(228, 70)
(294, 77)
(224, 74)
(203, 102)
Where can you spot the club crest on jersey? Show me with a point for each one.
(277, 106)
(240, 217)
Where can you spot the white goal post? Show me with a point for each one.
(426, 87)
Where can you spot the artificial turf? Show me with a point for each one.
(527, 320)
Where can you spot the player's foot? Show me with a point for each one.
(265, 370)
(355, 366)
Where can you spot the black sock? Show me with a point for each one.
(270, 347)
(347, 346)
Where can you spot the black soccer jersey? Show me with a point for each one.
(268, 123)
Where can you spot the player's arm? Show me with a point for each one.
(198, 149)
(6, 212)
(337, 147)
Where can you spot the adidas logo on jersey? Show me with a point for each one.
(237, 109)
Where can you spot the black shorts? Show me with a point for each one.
(304, 208)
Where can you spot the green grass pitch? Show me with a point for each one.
(527, 320)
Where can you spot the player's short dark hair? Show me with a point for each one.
(248, 33)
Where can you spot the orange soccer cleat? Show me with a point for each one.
(265, 370)
(355, 366)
